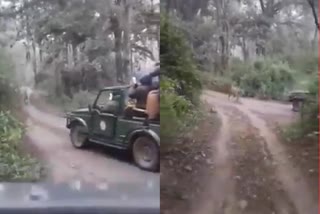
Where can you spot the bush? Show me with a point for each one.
(14, 165)
(177, 63)
(310, 111)
(308, 124)
(174, 109)
(304, 63)
(264, 78)
(180, 85)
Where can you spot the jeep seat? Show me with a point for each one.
(153, 105)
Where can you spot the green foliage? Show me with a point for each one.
(88, 26)
(308, 124)
(14, 165)
(180, 85)
(310, 111)
(305, 63)
(176, 61)
(265, 78)
(173, 107)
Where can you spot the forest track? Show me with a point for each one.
(253, 173)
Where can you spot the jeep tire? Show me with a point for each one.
(146, 154)
(78, 136)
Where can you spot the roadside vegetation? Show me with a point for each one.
(180, 84)
(15, 163)
(307, 127)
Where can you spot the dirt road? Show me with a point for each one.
(47, 133)
(253, 172)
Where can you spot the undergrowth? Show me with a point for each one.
(180, 84)
(307, 127)
(15, 164)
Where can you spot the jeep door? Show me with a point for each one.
(104, 117)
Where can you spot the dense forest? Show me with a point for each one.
(83, 45)
(267, 48)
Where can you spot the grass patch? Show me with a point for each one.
(15, 165)
(295, 133)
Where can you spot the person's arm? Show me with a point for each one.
(146, 80)
(155, 73)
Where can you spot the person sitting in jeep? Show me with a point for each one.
(152, 79)
(147, 96)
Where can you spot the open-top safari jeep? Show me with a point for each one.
(111, 121)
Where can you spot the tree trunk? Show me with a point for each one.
(245, 51)
(223, 25)
(57, 78)
(314, 13)
(117, 32)
(118, 50)
(227, 46)
(74, 55)
(33, 44)
(68, 55)
(40, 55)
(34, 60)
(152, 6)
(220, 45)
(126, 41)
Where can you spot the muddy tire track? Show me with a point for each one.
(265, 181)
(257, 188)
(291, 178)
(220, 186)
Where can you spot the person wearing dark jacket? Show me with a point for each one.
(140, 91)
(147, 79)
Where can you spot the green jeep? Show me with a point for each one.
(105, 123)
